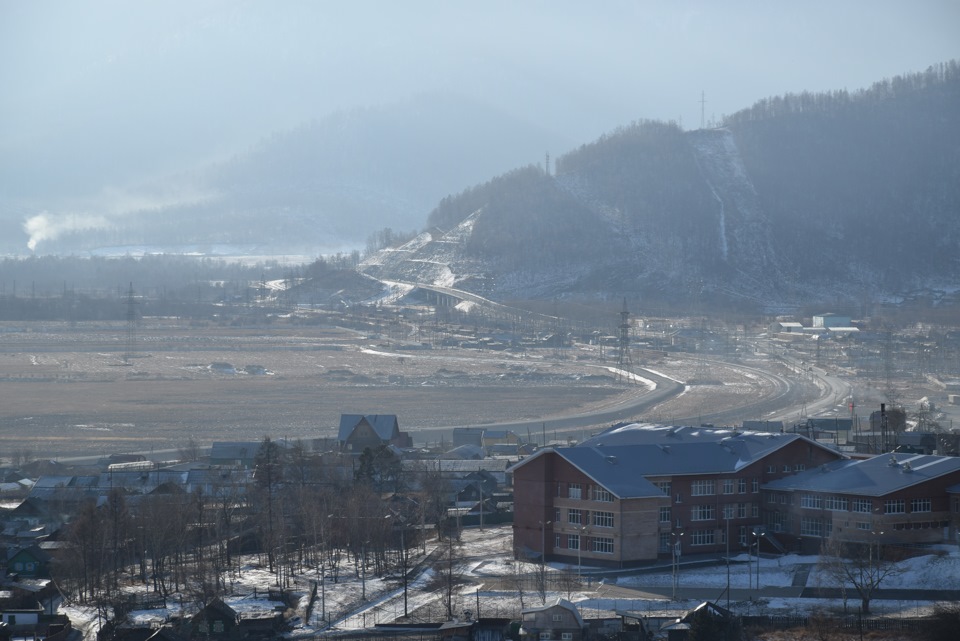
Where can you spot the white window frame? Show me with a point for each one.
(703, 513)
(836, 503)
(603, 545)
(603, 495)
(811, 526)
(603, 519)
(703, 487)
(811, 501)
(703, 537)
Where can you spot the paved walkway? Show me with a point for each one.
(801, 574)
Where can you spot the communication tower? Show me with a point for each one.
(131, 344)
(623, 354)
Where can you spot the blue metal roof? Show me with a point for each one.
(663, 450)
(877, 476)
(618, 474)
(620, 458)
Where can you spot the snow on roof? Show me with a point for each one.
(620, 458)
(559, 603)
(693, 449)
(617, 475)
(876, 476)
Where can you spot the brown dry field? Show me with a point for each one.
(66, 390)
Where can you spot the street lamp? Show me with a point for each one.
(579, 552)
(758, 534)
(543, 541)
(675, 540)
(403, 559)
(726, 518)
(542, 577)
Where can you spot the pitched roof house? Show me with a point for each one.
(560, 621)
(31, 561)
(360, 431)
(216, 619)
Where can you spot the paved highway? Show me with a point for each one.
(809, 392)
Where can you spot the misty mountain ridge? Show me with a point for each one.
(321, 187)
(800, 198)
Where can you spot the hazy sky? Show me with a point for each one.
(95, 93)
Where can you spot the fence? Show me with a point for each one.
(832, 623)
(415, 634)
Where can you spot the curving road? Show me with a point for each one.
(788, 402)
(784, 401)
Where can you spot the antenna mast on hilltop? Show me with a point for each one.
(703, 111)
(623, 354)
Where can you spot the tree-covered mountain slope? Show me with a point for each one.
(801, 198)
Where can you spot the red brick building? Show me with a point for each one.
(890, 499)
(623, 497)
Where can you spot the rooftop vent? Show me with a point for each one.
(892, 462)
(612, 460)
(906, 468)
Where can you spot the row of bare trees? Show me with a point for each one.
(291, 517)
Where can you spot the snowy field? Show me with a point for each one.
(488, 582)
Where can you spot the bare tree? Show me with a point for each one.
(450, 574)
(20, 456)
(189, 451)
(864, 565)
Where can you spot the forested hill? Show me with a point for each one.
(800, 198)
